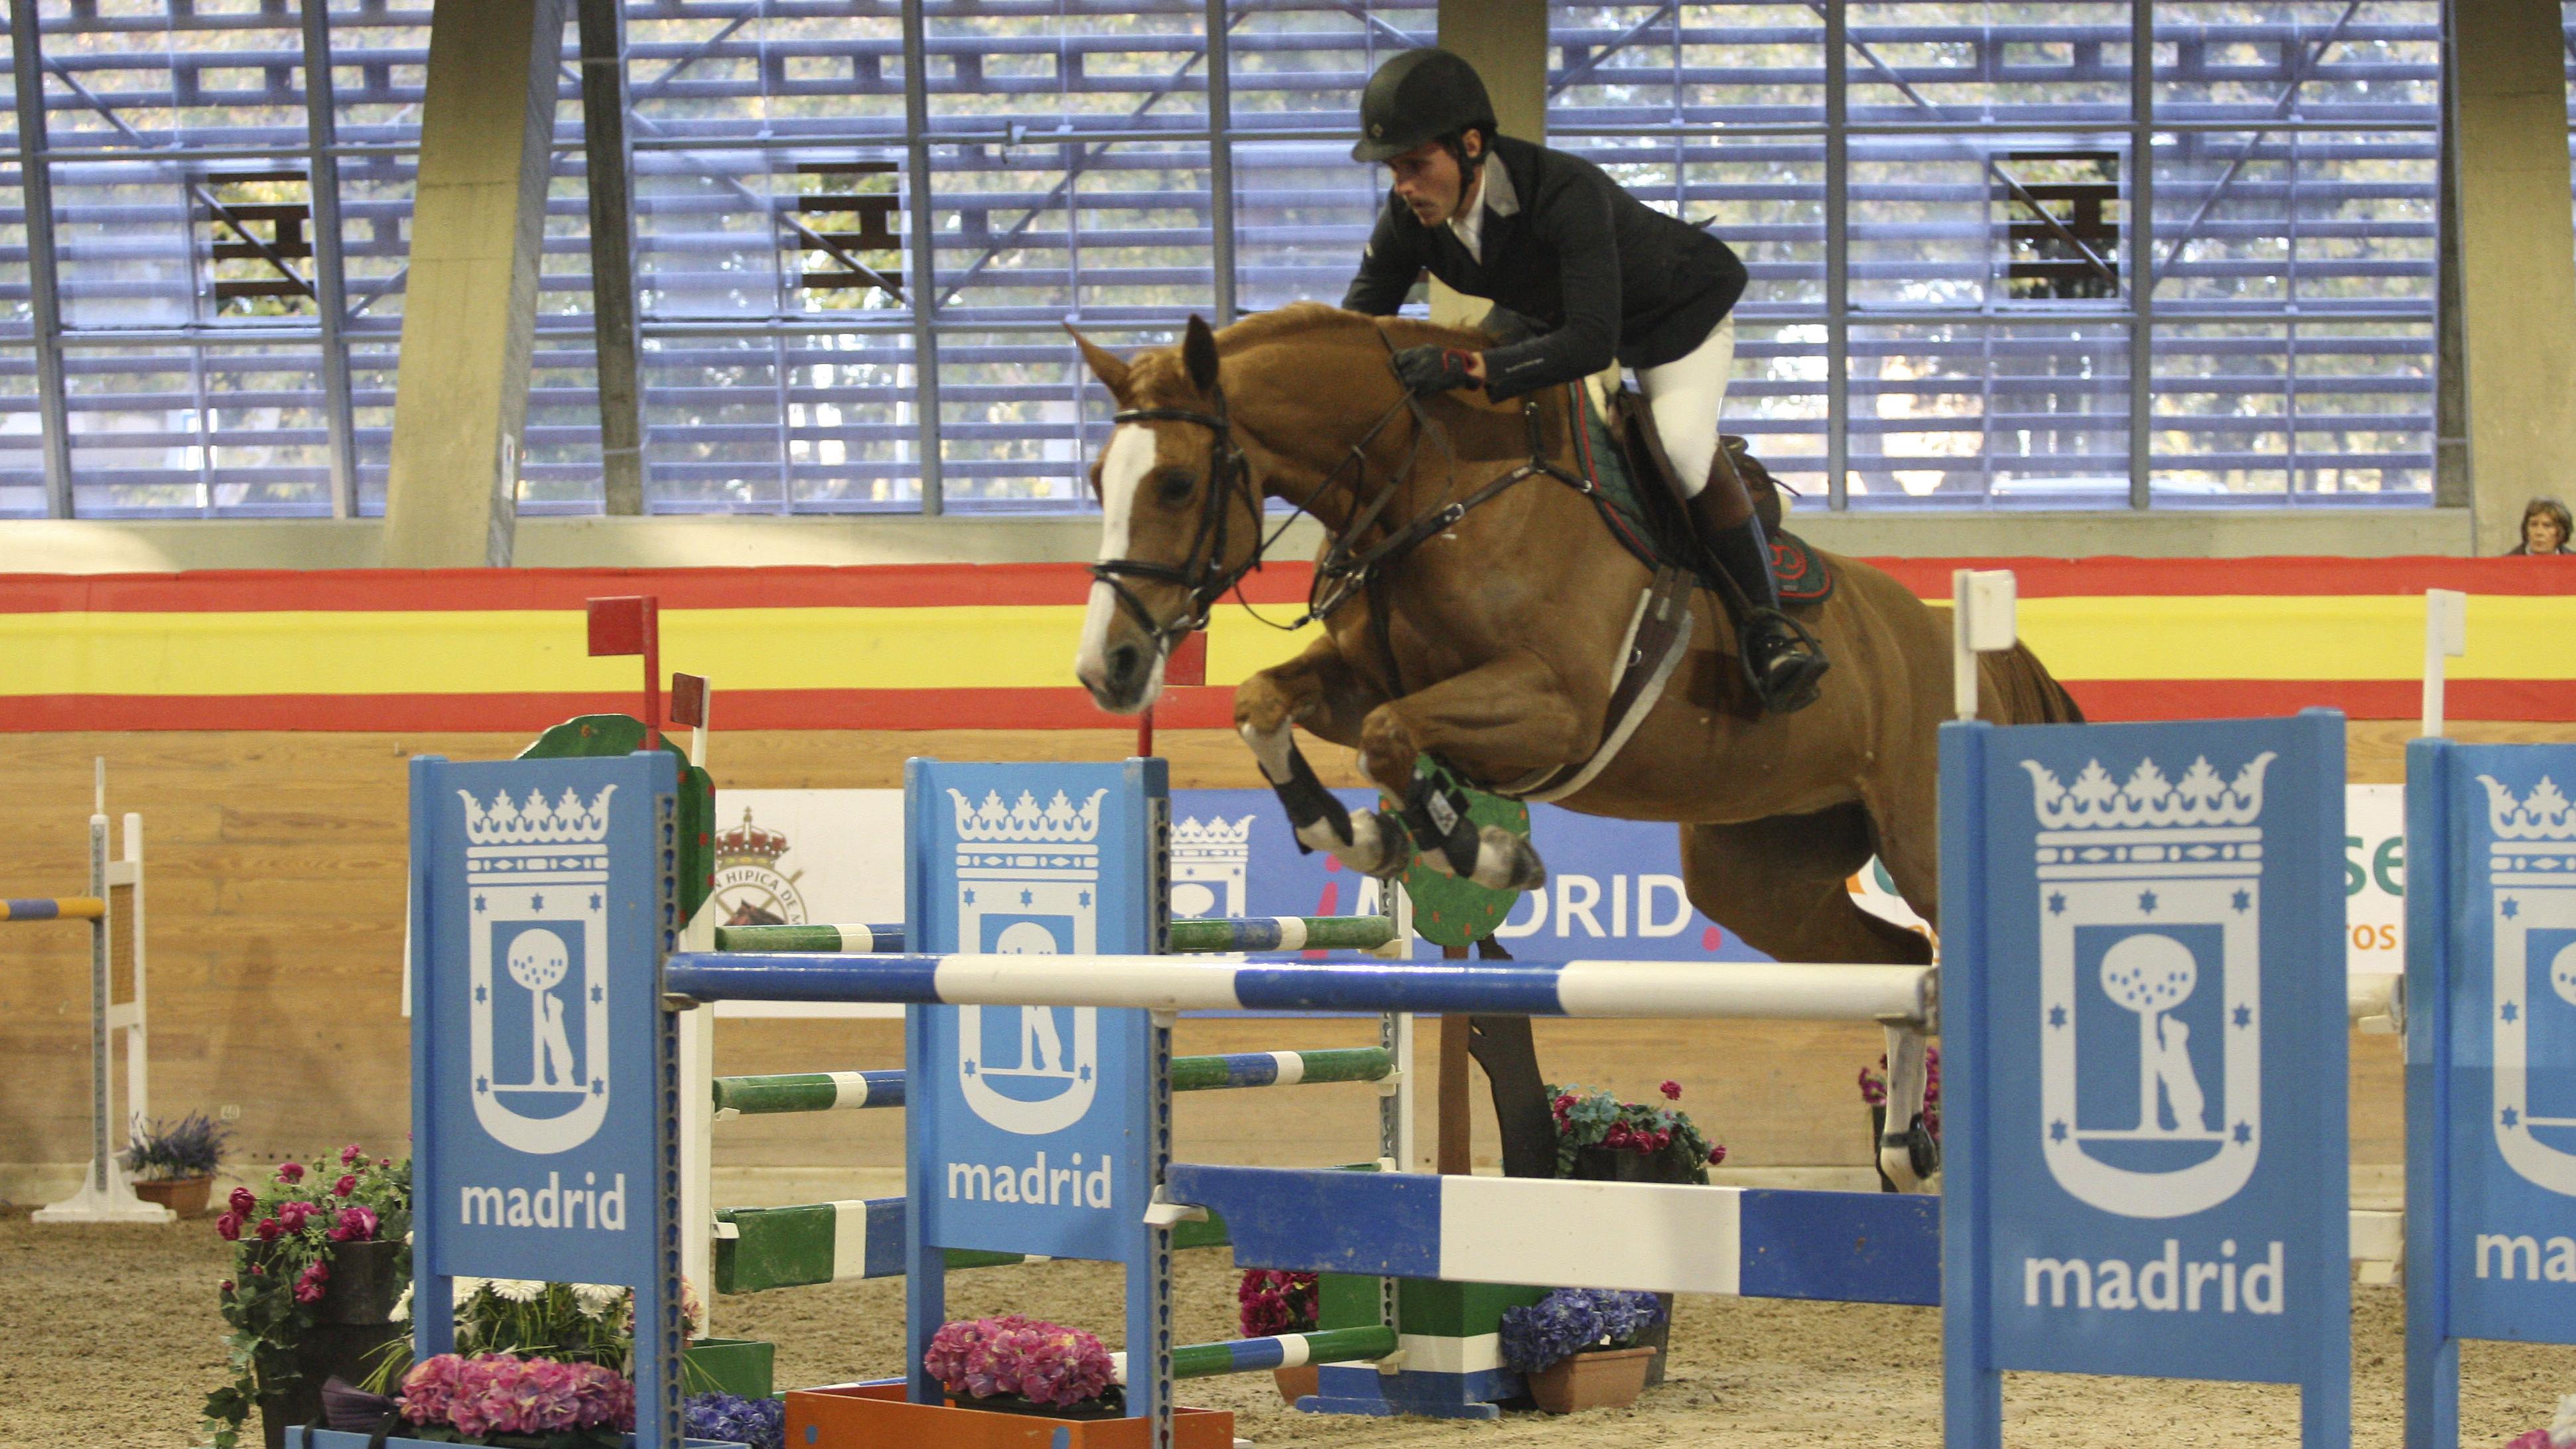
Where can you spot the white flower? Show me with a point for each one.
(596, 1300)
(402, 1306)
(2562, 1428)
(464, 1289)
(518, 1290)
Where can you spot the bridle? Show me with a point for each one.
(1345, 569)
(1203, 573)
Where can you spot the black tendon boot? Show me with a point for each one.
(1780, 657)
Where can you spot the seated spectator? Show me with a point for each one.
(2545, 528)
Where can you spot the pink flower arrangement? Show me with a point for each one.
(1586, 1118)
(1276, 1302)
(351, 1155)
(290, 1172)
(228, 1227)
(505, 1394)
(354, 1225)
(1045, 1363)
(242, 1202)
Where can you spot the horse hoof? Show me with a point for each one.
(1505, 862)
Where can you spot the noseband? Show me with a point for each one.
(1204, 575)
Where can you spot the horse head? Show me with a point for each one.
(1180, 515)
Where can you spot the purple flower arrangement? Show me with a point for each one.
(1873, 1088)
(760, 1423)
(1570, 1320)
(1044, 1363)
(1277, 1302)
(504, 1394)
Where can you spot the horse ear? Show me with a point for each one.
(1105, 364)
(1198, 354)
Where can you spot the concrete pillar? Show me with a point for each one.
(2517, 261)
(470, 303)
(1506, 41)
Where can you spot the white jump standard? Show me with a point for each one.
(104, 1195)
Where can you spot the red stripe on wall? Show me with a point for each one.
(2484, 699)
(1282, 585)
(739, 709)
(1069, 709)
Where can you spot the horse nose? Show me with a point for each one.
(1125, 674)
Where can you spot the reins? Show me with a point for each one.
(1345, 570)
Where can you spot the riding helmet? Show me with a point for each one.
(1419, 96)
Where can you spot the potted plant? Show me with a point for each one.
(175, 1165)
(1602, 1139)
(1278, 1302)
(1578, 1347)
(1017, 1365)
(1873, 1090)
(323, 1258)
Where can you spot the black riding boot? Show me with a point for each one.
(1780, 657)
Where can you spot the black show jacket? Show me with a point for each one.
(1601, 273)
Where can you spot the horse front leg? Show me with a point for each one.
(1500, 721)
(1319, 690)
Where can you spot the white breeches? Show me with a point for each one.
(1684, 395)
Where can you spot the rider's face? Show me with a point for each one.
(1428, 179)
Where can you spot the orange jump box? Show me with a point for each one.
(876, 1416)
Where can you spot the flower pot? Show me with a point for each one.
(183, 1196)
(1617, 1164)
(1301, 1382)
(742, 1367)
(1110, 1405)
(367, 1279)
(345, 1350)
(1604, 1378)
(871, 1416)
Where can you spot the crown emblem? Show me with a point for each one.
(1220, 838)
(569, 820)
(749, 844)
(2544, 814)
(2202, 798)
(1024, 821)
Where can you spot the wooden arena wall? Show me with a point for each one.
(261, 724)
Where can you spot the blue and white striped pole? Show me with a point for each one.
(1759, 990)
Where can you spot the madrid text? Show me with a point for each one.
(588, 1207)
(2166, 1283)
(1036, 1183)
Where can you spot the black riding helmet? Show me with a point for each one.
(1420, 95)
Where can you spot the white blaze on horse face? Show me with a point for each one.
(1123, 466)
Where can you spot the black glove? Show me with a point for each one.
(1434, 369)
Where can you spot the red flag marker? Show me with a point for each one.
(632, 624)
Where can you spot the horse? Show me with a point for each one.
(1475, 608)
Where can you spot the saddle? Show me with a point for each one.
(1641, 498)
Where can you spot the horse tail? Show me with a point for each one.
(2028, 693)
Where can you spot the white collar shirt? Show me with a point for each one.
(1494, 193)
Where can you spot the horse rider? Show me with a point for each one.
(1600, 275)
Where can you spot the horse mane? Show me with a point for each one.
(1161, 367)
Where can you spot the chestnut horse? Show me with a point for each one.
(1491, 638)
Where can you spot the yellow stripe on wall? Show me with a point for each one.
(2262, 636)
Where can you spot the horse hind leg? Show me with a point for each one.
(1782, 885)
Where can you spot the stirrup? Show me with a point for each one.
(1789, 678)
